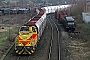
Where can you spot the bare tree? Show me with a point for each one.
(78, 8)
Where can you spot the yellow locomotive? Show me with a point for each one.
(26, 40)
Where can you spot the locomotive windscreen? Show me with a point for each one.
(24, 29)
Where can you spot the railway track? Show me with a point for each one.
(54, 51)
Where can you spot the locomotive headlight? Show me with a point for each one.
(29, 44)
(33, 44)
(19, 44)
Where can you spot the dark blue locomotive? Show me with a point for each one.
(69, 24)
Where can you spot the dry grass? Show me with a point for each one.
(79, 45)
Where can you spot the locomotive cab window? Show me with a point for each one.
(24, 29)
